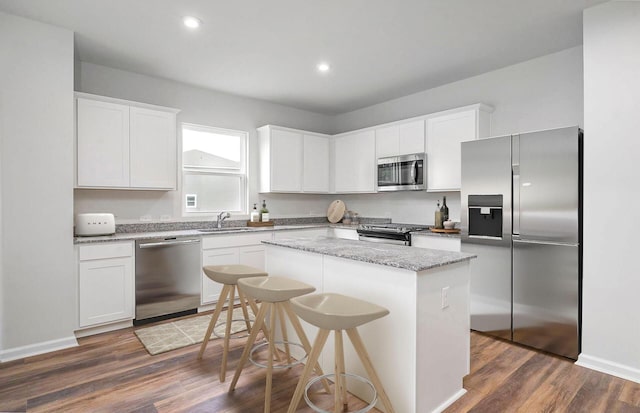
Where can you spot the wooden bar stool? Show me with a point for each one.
(336, 312)
(228, 275)
(274, 293)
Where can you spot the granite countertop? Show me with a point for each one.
(398, 256)
(127, 236)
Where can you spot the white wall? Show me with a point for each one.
(36, 116)
(198, 106)
(542, 93)
(611, 326)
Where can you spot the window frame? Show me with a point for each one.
(242, 173)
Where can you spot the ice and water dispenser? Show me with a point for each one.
(485, 216)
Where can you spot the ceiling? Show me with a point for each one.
(378, 49)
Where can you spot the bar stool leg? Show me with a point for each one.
(257, 325)
(245, 312)
(283, 329)
(264, 327)
(272, 324)
(340, 396)
(358, 345)
(318, 344)
(295, 322)
(227, 334)
(214, 319)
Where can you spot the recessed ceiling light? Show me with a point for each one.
(323, 67)
(191, 22)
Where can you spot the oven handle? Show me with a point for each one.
(382, 240)
(165, 243)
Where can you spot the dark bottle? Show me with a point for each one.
(444, 209)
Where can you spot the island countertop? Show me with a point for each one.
(398, 256)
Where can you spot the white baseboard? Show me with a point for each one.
(38, 348)
(609, 367)
(449, 401)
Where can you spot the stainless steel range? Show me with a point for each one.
(398, 234)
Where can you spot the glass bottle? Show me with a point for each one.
(438, 218)
(264, 212)
(444, 209)
(255, 215)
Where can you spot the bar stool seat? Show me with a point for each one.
(337, 312)
(275, 289)
(274, 293)
(229, 275)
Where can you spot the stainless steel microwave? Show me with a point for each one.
(402, 173)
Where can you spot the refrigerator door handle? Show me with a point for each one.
(516, 199)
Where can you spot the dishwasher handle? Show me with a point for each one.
(168, 243)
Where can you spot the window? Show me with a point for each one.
(214, 166)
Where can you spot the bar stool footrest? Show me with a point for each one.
(364, 380)
(278, 366)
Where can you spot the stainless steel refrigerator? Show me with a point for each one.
(521, 202)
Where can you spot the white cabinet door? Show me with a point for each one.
(253, 256)
(286, 161)
(411, 137)
(315, 176)
(355, 162)
(219, 256)
(105, 291)
(400, 139)
(436, 243)
(387, 141)
(153, 149)
(103, 144)
(444, 136)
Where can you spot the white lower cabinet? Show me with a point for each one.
(246, 249)
(436, 242)
(343, 233)
(105, 283)
(302, 233)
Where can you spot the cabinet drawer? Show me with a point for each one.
(235, 240)
(101, 251)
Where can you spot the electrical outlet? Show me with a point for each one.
(445, 297)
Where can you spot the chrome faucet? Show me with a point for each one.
(221, 217)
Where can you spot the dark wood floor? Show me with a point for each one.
(112, 372)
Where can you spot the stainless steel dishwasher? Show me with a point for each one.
(167, 278)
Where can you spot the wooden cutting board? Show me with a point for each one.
(445, 231)
(336, 211)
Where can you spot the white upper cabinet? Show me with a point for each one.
(355, 162)
(445, 133)
(103, 144)
(400, 139)
(293, 160)
(315, 177)
(152, 144)
(126, 145)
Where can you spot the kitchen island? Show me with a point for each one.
(421, 349)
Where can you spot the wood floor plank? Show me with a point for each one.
(596, 384)
(630, 394)
(112, 372)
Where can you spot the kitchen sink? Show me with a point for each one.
(238, 229)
